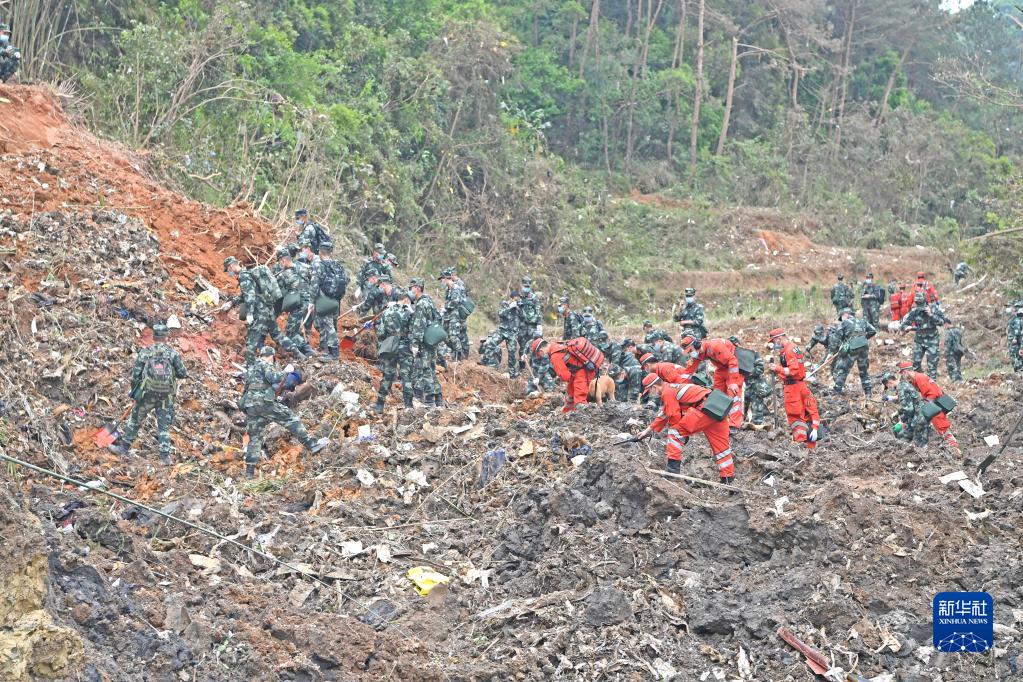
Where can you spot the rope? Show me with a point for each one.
(212, 533)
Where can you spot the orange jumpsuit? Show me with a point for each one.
(800, 406)
(929, 391)
(721, 354)
(681, 415)
(895, 304)
(569, 364)
(929, 290)
(669, 372)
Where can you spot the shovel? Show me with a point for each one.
(348, 341)
(990, 459)
(109, 434)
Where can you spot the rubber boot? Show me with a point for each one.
(438, 400)
(334, 352)
(250, 471)
(674, 466)
(727, 480)
(378, 406)
(308, 350)
(419, 396)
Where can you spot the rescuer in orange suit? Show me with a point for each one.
(923, 285)
(897, 301)
(929, 390)
(575, 362)
(667, 371)
(800, 406)
(681, 415)
(721, 353)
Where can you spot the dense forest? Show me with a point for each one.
(510, 130)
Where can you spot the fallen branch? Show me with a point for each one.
(693, 479)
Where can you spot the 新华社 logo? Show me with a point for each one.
(963, 622)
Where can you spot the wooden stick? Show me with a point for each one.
(704, 481)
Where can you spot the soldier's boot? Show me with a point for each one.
(438, 400)
(317, 445)
(378, 406)
(408, 402)
(119, 449)
(250, 471)
(419, 395)
(867, 390)
(674, 466)
(837, 390)
(333, 352)
(308, 350)
(726, 480)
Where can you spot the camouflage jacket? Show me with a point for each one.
(394, 322)
(954, 341)
(926, 320)
(848, 330)
(308, 234)
(157, 349)
(593, 330)
(669, 352)
(453, 298)
(910, 400)
(369, 268)
(375, 300)
(693, 311)
(961, 270)
(257, 298)
(816, 340)
(510, 319)
(841, 295)
(260, 378)
(872, 293)
(1014, 333)
(529, 308)
(289, 279)
(624, 359)
(424, 314)
(572, 326)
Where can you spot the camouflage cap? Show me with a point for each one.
(843, 311)
(229, 261)
(294, 248)
(690, 291)
(417, 282)
(627, 341)
(563, 299)
(527, 281)
(588, 310)
(327, 247)
(919, 297)
(160, 331)
(301, 212)
(265, 351)
(734, 340)
(841, 277)
(378, 247)
(283, 252)
(887, 376)
(515, 293)
(647, 323)
(445, 273)
(383, 278)
(399, 293)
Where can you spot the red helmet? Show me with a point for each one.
(647, 357)
(535, 344)
(775, 333)
(687, 341)
(649, 381)
(920, 274)
(904, 365)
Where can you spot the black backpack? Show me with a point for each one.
(158, 376)
(333, 279)
(321, 237)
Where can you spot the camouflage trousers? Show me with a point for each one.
(511, 342)
(757, 391)
(293, 328)
(326, 325)
(463, 337)
(926, 345)
(399, 365)
(844, 364)
(953, 363)
(628, 389)
(915, 428)
(163, 407)
(261, 327)
(1017, 361)
(258, 416)
(872, 313)
(490, 355)
(455, 327)
(424, 373)
(7, 68)
(543, 374)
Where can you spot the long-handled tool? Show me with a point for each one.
(110, 432)
(989, 460)
(348, 341)
(827, 361)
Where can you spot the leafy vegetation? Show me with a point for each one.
(474, 130)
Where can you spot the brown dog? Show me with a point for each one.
(602, 388)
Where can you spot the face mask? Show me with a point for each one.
(690, 299)
(561, 310)
(4, 39)
(694, 354)
(869, 281)
(527, 289)
(588, 318)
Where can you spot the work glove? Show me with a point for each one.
(733, 390)
(227, 306)
(590, 367)
(368, 325)
(249, 319)
(358, 293)
(415, 350)
(539, 329)
(844, 348)
(289, 369)
(813, 436)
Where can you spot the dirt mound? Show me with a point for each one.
(49, 164)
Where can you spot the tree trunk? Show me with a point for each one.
(628, 19)
(694, 130)
(680, 35)
(591, 33)
(843, 88)
(573, 33)
(638, 73)
(883, 108)
(795, 85)
(728, 97)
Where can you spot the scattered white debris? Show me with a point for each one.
(365, 478)
(351, 548)
(979, 515)
(578, 460)
(953, 477)
(974, 488)
(992, 441)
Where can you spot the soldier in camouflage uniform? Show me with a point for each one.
(261, 407)
(424, 314)
(10, 56)
(841, 295)
(666, 351)
(690, 316)
(872, 297)
(756, 389)
(543, 373)
(490, 350)
(926, 320)
(592, 327)
(821, 335)
(630, 385)
(291, 282)
(1014, 337)
(329, 280)
(377, 295)
(305, 264)
(375, 265)
(650, 335)
(454, 323)
(310, 232)
(955, 349)
(463, 336)
(572, 321)
(259, 294)
(154, 385)
(911, 403)
(852, 331)
(510, 322)
(395, 322)
(531, 316)
(960, 272)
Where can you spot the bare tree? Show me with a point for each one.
(694, 130)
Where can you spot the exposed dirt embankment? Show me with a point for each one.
(51, 164)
